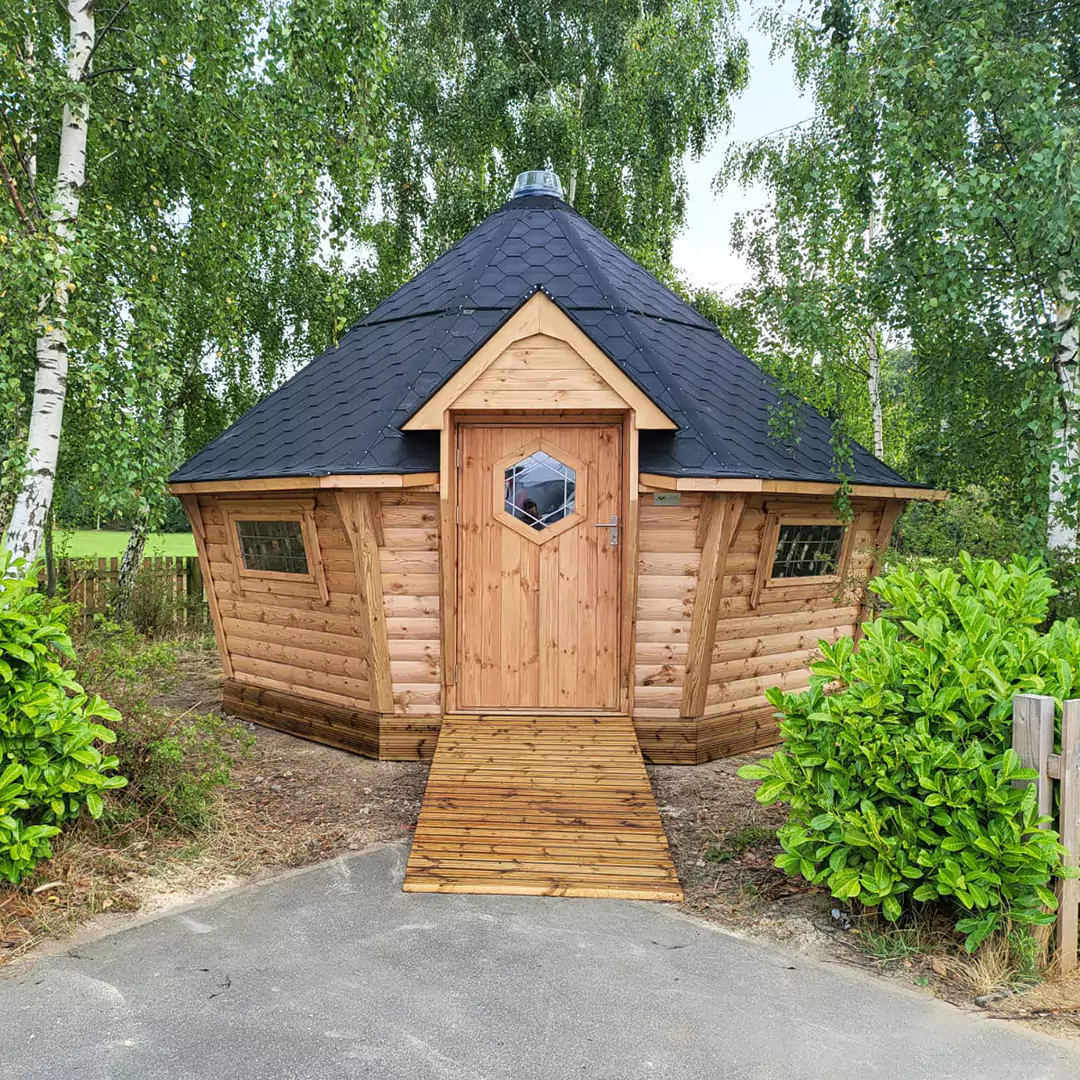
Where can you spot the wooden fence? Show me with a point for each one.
(174, 582)
(1033, 740)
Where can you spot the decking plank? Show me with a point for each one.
(541, 806)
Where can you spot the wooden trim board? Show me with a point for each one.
(428, 481)
(752, 486)
(359, 511)
(198, 528)
(722, 519)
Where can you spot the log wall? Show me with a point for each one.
(298, 654)
(773, 644)
(753, 648)
(283, 635)
(669, 556)
(409, 559)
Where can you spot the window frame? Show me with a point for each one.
(770, 539)
(300, 511)
(557, 528)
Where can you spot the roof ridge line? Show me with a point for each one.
(464, 309)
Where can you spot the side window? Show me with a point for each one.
(799, 551)
(808, 551)
(275, 547)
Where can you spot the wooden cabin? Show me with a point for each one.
(533, 480)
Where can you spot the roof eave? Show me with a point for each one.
(752, 485)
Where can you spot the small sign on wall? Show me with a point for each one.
(667, 498)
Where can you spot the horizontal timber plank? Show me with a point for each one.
(556, 806)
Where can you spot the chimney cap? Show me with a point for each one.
(537, 182)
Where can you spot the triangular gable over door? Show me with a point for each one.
(539, 359)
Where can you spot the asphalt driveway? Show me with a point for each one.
(334, 972)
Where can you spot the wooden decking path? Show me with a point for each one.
(542, 806)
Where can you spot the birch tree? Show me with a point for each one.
(962, 121)
(27, 525)
(815, 254)
(228, 149)
(610, 93)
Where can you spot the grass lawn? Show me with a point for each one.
(104, 543)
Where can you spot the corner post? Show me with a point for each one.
(724, 516)
(1033, 741)
(198, 528)
(359, 512)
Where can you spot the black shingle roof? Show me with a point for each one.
(343, 412)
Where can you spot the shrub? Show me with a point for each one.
(897, 763)
(968, 521)
(177, 763)
(157, 610)
(50, 767)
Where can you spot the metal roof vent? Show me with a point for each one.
(537, 182)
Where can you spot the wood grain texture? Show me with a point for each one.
(388, 738)
(538, 624)
(1068, 921)
(198, 528)
(411, 567)
(542, 806)
(303, 636)
(1033, 741)
(657, 482)
(336, 725)
(890, 514)
(752, 648)
(539, 368)
(668, 562)
(721, 524)
(360, 516)
(272, 485)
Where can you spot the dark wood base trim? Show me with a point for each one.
(693, 741)
(413, 738)
(394, 738)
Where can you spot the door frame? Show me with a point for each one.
(449, 527)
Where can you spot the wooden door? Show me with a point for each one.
(539, 583)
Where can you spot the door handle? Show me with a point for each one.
(613, 525)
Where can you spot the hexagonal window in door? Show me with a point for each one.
(540, 490)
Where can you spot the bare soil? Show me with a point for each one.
(296, 801)
(724, 846)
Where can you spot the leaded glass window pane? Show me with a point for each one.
(274, 546)
(808, 550)
(540, 490)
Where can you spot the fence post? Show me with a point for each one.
(1069, 829)
(1033, 740)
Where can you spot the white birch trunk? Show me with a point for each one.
(130, 564)
(31, 161)
(1062, 531)
(27, 525)
(873, 355)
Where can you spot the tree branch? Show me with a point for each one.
(23, 164)
(14, 193)
(107, 71)
(102, 34)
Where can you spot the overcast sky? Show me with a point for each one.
(703, 250)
